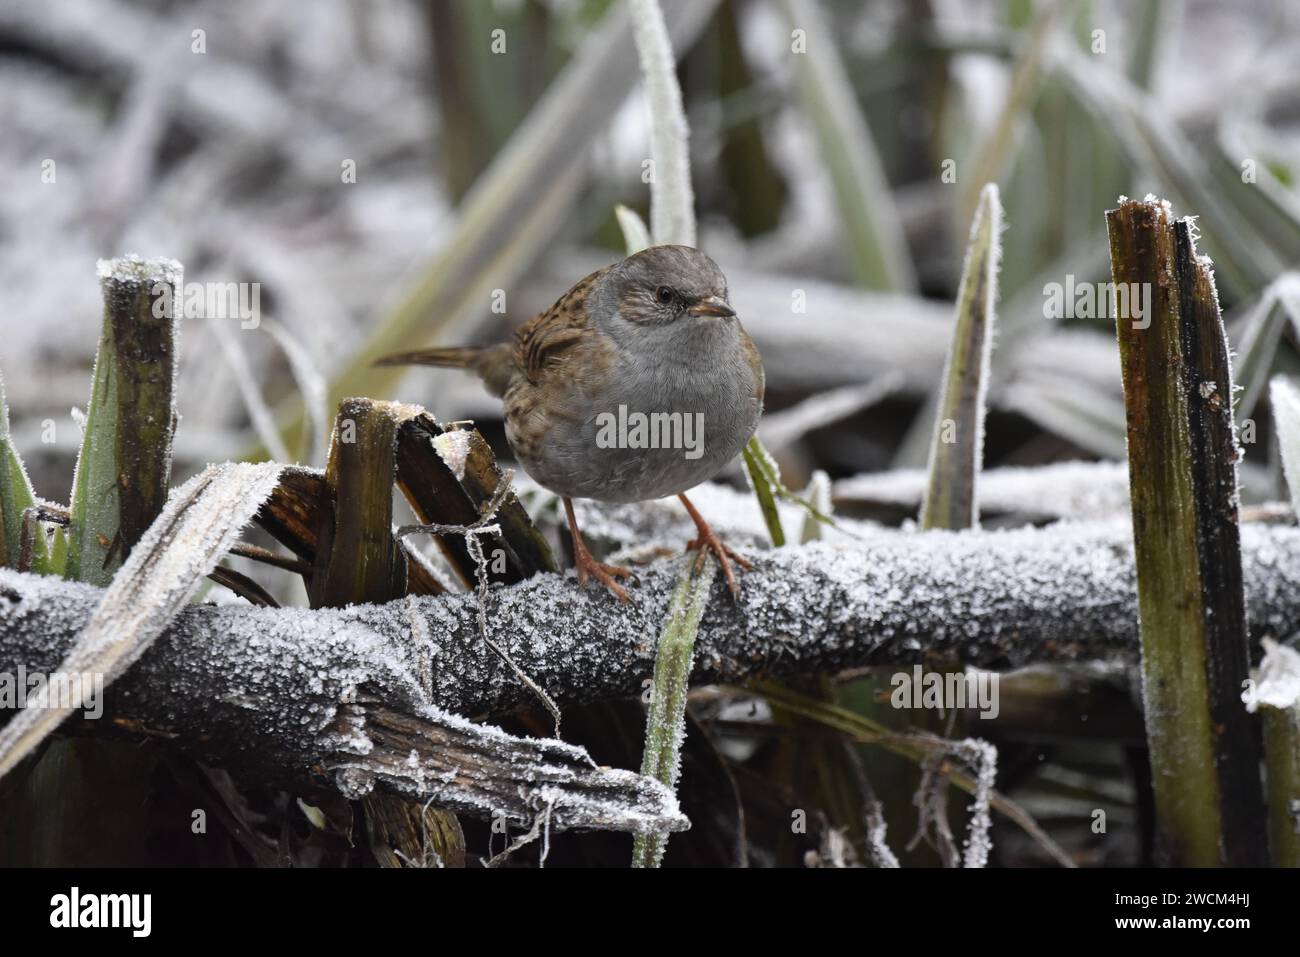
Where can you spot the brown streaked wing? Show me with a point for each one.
(559, 328)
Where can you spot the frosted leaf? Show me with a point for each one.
(636, 236)
(198, 525)
(672, 201)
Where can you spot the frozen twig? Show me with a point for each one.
(473, 542)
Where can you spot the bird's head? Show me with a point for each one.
(666, 285)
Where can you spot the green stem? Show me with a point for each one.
(666, 723)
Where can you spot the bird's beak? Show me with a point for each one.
(713, 306)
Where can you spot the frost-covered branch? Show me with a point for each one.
(266, 682)
(282, 701)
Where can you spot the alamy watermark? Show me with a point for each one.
(74, 909)
(939, 691)
(82, 690)
(651, 430)
(210, 300)
(1098, 300)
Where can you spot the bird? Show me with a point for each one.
(638, 383)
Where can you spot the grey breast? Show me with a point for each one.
(663, 425)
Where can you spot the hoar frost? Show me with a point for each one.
(1277, 680)
(453, 448)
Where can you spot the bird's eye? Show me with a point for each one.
(665, 294)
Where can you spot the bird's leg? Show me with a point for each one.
(588, 566)
(708, 540)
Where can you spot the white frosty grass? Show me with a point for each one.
(672, 201)
(635, 235)
(198, 525)
(817, 494)
(1258, 334)
(311, 385)
(1286, 412)
(876, 248)
(1277, 680)
(453, 448)
(1060, 490)
(259, 413)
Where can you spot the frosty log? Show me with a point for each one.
(262, 687)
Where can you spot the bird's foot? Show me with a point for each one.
(708, 541)
(588, 568)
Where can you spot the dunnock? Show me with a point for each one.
(638, 383)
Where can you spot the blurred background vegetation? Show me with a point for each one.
(838, 150)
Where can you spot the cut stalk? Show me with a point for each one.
(124, 467)
(359, 560)
(1183, 482)
(439, 495)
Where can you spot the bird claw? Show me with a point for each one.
(707, 542)
(589, 568)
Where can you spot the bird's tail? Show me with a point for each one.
(493, 364)
(453, 357)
